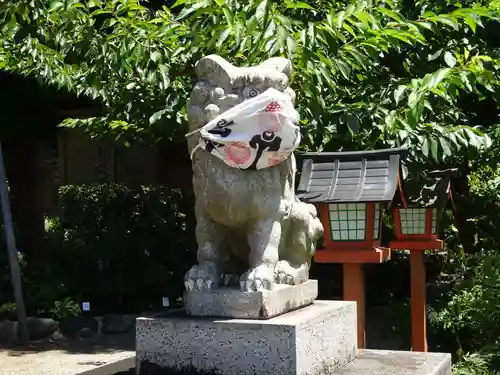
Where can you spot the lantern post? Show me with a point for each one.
(350, 190)
(416, 217)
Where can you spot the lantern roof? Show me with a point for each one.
(344, 177)
(426, 188)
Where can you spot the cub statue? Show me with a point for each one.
(251, 228)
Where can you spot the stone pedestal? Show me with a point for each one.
(392, 362)
(232, 303)
(317, 339)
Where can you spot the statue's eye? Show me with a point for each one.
(250, 93)
(268, 135)
(223, 123)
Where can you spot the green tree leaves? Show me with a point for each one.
(366, 75)
(450, 60)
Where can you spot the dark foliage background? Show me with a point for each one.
(120, 248)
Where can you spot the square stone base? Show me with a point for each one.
(317, 339)
(232, 303)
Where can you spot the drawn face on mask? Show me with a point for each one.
(258, 133)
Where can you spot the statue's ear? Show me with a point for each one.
(215, 69)
(281, 64)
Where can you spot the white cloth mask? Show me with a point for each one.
(258, 133)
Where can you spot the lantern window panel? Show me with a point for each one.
(412, 220)
(376, 222)
(434, 221)
(347, 221)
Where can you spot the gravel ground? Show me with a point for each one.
(67, 358)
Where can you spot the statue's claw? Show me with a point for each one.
(202, 276)
(259, 278)
(286, 274)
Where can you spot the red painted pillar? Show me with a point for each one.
(354, 290)
(418, 302)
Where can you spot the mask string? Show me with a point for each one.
(193, 132)
(194, 150)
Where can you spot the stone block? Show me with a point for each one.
(232, 303)
(316, 339)
(384, 362)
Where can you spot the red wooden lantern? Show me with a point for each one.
(350, 190)
(352, 233)
(422, 201)
(417, 228)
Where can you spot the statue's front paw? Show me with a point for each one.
(286, 274)
(258, 278)
(202, 276)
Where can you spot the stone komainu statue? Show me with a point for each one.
(250, 227)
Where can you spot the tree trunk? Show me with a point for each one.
(23, 161)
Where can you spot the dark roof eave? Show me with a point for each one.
(326, 168)
(354, 155)
(433, 190)
(319, 200)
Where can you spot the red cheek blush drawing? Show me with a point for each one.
(238, 152)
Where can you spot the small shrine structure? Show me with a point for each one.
(350, 190)
(417, 212)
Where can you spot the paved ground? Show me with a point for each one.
(68, 358)
(101, 356)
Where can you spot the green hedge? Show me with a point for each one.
(120, 248)
(123, 248)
